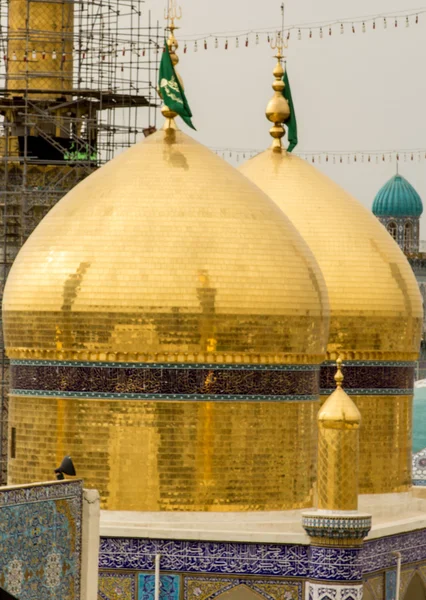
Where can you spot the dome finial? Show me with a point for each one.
(172, 13)
(338, 377)
(278, 109)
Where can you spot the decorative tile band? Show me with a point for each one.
(148, 382)
(166, 365)
(39, 493)
(280, 560)
(164, 397)
(334, 564)
(376, 554)
(377, 378)
(337, 528)
(321, 591)
(230, 558)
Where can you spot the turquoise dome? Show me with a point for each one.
(397, 198)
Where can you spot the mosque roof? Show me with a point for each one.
(397, 198)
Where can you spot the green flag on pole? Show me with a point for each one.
(291, 121)
(171, 89)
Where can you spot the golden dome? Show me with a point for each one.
(166, 252)
(165, 324)
(375, 304)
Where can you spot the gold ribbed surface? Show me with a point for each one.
(44, 27)
(376, 308)
(338, 453)
(172, 455)
(166, 253)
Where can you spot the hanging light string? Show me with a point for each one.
(318, 29)
(335, 157)
(232, 39)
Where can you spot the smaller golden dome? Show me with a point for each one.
(339, 411)
(376, 308)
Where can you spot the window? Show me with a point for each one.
(408, 237)
(13, 442)
(392, 229)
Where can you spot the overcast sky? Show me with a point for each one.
(351, 92)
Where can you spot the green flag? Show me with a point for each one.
(291, 121)
(171, 90)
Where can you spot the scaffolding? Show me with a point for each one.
(77, 86)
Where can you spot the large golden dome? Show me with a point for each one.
(166, 252)
(375, 308)
(165, 324)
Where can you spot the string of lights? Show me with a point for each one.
(335, 157)
(236, 39)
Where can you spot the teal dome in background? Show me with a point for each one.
(397, 198)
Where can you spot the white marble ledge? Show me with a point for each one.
(392, 514)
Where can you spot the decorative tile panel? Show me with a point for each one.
(320, 591)
(390, 584)
(117, 586)
(40, 538)
(334, 564)
(419, 467)
(169, 587)
(208, 588)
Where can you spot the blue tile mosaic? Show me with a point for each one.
(40, 539)
(390, 584)
(169, 587)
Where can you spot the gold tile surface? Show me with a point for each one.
(44, 27)
(172, 455)
(375, 303)
(166, 254)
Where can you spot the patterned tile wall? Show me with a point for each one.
(130, 585)
(40, 540)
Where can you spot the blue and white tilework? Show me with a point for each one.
(334, 564)
(275, 560)
(320, 591)
(40, 539)
(376, 554)
(205, 557)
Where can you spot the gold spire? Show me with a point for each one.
(171, 14)
(338, 378)
(278, 109)
(338, 449)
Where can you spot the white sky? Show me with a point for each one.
(351, 92)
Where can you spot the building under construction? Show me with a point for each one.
(77, 85)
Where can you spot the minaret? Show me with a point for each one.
(40, 45)
(336, 528)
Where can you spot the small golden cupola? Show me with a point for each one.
(338, 450)
(165, 324)
(375, 305)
